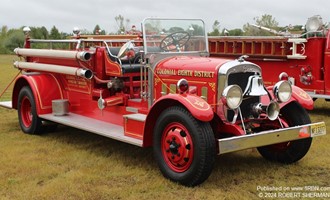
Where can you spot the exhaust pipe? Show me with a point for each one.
(85, 73)
(80, 55)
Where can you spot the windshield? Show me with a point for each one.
(174, 35)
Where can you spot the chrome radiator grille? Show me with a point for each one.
(241, 79)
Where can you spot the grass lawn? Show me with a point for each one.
(73, 164)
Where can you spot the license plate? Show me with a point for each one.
(318, 129)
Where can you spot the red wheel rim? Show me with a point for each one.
(26, 112)
(177, 147)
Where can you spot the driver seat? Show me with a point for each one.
(127, 65)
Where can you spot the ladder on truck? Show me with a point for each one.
(259, 47)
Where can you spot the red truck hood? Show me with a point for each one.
(191, 63)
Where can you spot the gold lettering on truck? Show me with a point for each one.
(204, 74)
(184, 72)
(166, 72)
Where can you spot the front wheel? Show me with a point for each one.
(289, 152)
(27, 113)
(184, 147)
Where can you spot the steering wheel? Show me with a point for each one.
(174, 41)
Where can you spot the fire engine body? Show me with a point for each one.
(167, 94)
(304, 58)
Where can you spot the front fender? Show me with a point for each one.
(302, 97)
(197, 106)
(45, 88)
(298, 95)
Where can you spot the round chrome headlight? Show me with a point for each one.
(282, 91)
(232, 96)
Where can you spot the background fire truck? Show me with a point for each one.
(165, 92)
(303, 59)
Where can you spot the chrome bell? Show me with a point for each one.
(255, 86)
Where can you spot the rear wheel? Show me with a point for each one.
(289, 152)
(184, 147)
(27, 113)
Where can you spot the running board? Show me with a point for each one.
(134, 125)
(6, 104)
(109, 130)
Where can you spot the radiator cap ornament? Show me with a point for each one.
(242, 58)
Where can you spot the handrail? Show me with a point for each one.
(109, 52)
(53, 41)
(78, 40)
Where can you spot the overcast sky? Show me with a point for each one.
(66, 14)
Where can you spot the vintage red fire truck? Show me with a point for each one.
(166, 92)
(303, 59)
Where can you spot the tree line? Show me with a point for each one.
(265, 20)
(12, 38)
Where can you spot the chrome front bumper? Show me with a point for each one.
(269, 137)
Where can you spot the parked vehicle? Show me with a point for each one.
(303, 58)
(163, 91)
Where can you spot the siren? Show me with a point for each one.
(272, 110)
(314, 24)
